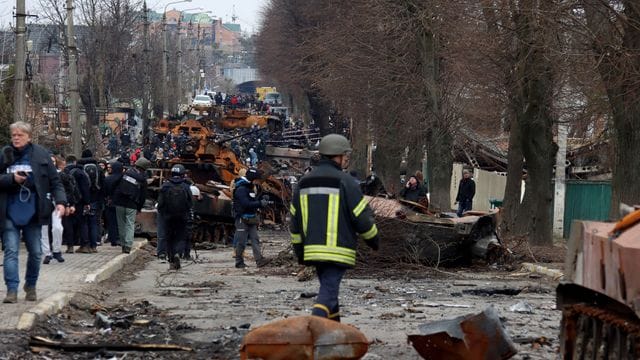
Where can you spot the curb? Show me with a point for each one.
(59, 300)
(47, 306)
(114, 264)
(553, 273)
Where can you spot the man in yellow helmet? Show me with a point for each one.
(328, 213)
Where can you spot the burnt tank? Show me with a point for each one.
(600, 295)
(212, 165)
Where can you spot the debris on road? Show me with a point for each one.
(479, 336)
(522, 307)
(38, 342)
(407, 236)
(492, 291)
(304, 337)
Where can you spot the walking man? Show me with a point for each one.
(29, 186)
(328, 212)
(466, 192)
(128, 198)
(245, 206)
(174, 208)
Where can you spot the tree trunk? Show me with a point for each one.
(625, 187)
(535, 74)
(439, 145)
(617, 63)
(439, 138)
(513, 189)
(320, 111)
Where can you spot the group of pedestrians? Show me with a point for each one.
(49, 200)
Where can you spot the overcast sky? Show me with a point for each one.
(247, 11)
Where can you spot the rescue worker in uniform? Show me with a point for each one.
(328, 213)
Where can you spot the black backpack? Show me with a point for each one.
(176, 201)
(71, 188)
(93, 172)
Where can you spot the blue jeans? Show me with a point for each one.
(11, 238)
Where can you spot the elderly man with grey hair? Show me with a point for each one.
(466, 192)
(29, 188)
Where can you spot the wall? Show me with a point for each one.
(586, 200)
(489, 186)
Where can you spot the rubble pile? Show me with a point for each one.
(137, 330)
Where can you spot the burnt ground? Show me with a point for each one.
(131, 322)
(209, 306)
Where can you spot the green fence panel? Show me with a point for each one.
(586, 200)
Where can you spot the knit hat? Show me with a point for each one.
(252, 174)
(86, 153)
(143, 163)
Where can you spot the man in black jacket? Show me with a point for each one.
(29, 186)
(128, 198)
(328, 213)
(75, 225)
(245, 206)
(466, 192)
(174, 208)
(93, 215)
(114, 169)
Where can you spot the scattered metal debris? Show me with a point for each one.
(304, 337)
(479, 336)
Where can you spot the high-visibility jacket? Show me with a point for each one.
(328, 212)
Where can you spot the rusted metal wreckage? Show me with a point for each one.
(470, 337)
(212, 166)
(600, 295)
(435, 239)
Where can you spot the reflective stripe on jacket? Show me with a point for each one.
(328, 212)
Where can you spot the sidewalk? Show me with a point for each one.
(58, 282)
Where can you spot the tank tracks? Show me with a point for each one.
(590, 332)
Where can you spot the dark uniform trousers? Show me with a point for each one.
(175, 235)
(327, 305)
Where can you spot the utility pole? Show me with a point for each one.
(146, 80)
(179, 66)
(20, 104)
(74, 92)
(165, 58)
(560, 183)
(165, 55)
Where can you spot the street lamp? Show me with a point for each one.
(165, 55)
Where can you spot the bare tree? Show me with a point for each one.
(614, 36)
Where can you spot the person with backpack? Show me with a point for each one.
(29, 191)
(115, 170)
(128, 197)
(74, 224)
(96, 201)
(174, 206)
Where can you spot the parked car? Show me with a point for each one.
(202, 102)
